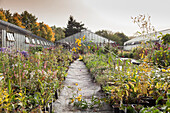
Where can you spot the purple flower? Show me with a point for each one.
(25, 53)
(2, 49)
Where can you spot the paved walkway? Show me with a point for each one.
(78, 73)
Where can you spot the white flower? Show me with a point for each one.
(26, 72)
(1, 78)
(32, 74)
(39, 71)
(16, 65)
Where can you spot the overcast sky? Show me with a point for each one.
(114, 15)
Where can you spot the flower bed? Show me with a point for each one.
(30, 80)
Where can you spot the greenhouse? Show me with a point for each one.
(135, 42)
(89, 37)
(19, 38)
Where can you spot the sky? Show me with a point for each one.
(113, 15)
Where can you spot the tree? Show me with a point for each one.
(59, 33)
(73, 27)
(17, 20)
(2, 15)
(123, 37)
(28, 20)
(119, 38)
(50, 34)
(8, 15)
(166, 39)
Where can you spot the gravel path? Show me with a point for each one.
(78, 73)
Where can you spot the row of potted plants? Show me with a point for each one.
(127, 84)
(29, 80)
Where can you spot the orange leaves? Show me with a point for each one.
(28, 21)
(17, 19)
(2, 16)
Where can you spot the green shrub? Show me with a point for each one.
(126, 55)
(131, 55)
(35, 49)
(161, 58)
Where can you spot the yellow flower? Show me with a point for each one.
(76, 84)
(72, 100)
(74, 49)
(112, 97)
(80, 95)
(163, 70)
(84, 37)
(78, 48)
(79, 44)
(78, 98)
(142, 55)
(6, 100)
(20, 94)
(89, 47)
(79, 89)
(80, 57)
(78, 41)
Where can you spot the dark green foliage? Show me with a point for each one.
(126, 55)
(131, 55)
(166, 39)
(73, 27)
(119, 38)
(130, 109)
(28, 20)
(35, 49)
(59, 33)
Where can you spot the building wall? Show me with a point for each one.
(19, 43)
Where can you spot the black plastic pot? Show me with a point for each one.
(56, 94)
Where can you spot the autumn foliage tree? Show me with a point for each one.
(2, 16)
(17, 20)
(28, 21)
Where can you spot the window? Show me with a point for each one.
(27, 41)
(42, 43)
(38, 42)
(45, 43)
(10, 37)
(33, 41)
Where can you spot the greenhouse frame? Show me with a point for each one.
(17, 38)
(138, 40)
(90, 37)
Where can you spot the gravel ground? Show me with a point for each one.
(79, 74)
